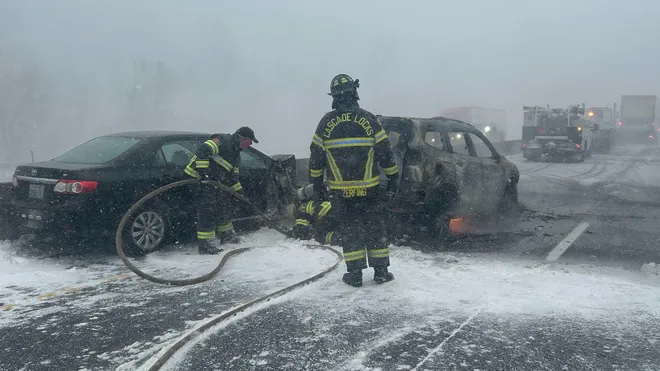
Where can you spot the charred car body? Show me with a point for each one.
(448, 169)
(557, 133)
(88, 189)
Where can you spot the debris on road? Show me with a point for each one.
(651, 268)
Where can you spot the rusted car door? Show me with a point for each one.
(494, 176)
(469, 171)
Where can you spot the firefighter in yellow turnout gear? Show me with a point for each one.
(314, 221)
(217, 159)
(348, 145)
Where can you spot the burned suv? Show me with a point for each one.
(448, 169)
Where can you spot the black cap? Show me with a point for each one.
(247, 132)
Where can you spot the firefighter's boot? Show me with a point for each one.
(381, 275)
(205, 247)
(353, 278)
(229, 237)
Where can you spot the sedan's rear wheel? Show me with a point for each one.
(146, 232)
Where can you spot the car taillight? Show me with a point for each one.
(524, 145)
(75, 186)
(14, 180)
(578, 146)
(620, 123)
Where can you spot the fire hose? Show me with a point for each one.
(164, 357)
(191, 281)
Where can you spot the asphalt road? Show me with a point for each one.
(489, 300)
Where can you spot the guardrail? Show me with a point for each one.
(510, 147)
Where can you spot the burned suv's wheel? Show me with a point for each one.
(510, 197)
(440, 227)
(146, 232)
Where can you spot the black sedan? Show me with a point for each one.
(88, 189)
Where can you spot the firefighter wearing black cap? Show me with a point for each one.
(347, 146)
(217, 159)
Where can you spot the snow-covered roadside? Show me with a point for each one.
(6, 172)
(26, 281)
(426, 285)
(434, 289)
(273, 264)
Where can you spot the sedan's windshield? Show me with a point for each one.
(98, 151)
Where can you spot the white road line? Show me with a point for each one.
(453, 333)
(567, 242)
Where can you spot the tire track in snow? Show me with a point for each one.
(536, 169)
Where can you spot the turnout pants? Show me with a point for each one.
(360, 231)
(214, 211)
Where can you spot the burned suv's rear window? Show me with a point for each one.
(98, 150)
(397, 131)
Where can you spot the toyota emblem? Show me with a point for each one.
(34, 172)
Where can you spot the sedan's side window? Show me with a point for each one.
(459, 143)
(250, 160)
(481, 147)
(434, 139)
(158, 160)
(179, 153)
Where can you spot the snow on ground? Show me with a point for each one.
(500, 286)
(276, 252)
(26, 281)
(594, 170)
(442, 287)
(6, 172)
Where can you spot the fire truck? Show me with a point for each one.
(558, 133)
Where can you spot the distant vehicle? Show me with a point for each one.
(606, 120)
(87, 190)
(556, 133)
(640, 118)
(491, 122)
(448, 169)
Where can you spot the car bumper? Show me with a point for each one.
(72, 217)
(537, 151)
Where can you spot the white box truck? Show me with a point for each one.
(639, 120)
(491, 121)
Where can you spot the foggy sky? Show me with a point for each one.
(268, 64)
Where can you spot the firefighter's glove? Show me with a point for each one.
(392, 188)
